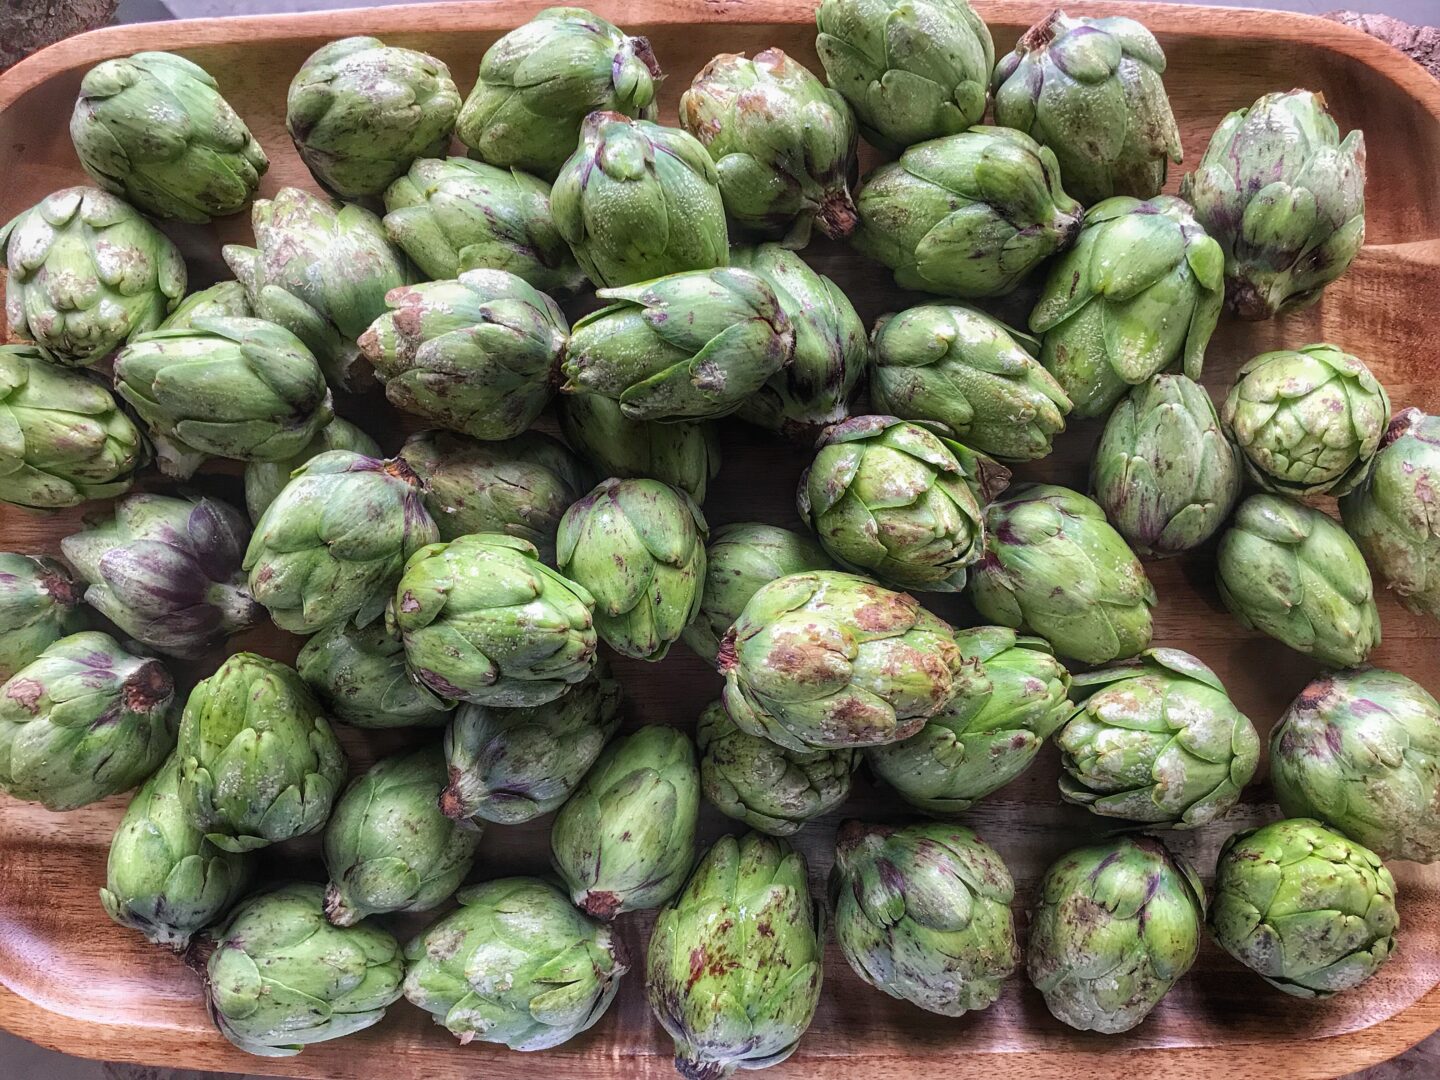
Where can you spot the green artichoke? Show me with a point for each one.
(539, 82)
(517, 965)
(360, 111)
(1308, 420)
(1309, 911)
(1164, 472)
(912, 69)
(638, 547)
(1290, 571)
(478, 355)
(638, 201)
(86, 273)
(683, 455)
(1053, 566)
(967, 215)
(830, 661)
(1285, 197)
(922, 912)
(1010, 697)
(746, 912)
(227, 300)
(359, 675)
(1360, 751)
(63, 441)
(281, 977)
(956, 366)
(163, 877)
(1090, 90)
(1116, 926)
(766, 786)
(1141, 289)
(1156, 739)
(258, 761)
(264, 480)
(39, 604)
(484, 620)
(332, 545)
(154, 129)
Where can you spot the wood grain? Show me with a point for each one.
(71, 980)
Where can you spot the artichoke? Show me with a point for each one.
(1090, 90)
(1308, 420)
(956, 366)
(747, 912)
(332, 545)
(766, 786)
(683, 455)
(638, 547)
(478, 355)
(967, 215)
(258, 761)
(167, 572)
(1140, 290)
(1290, 571)
(683, 347)
(1115, 927)
(39, 604)
(86, 273)
(923, 913)
(359, 675)
(83, 721)
(1360, 751)
(1285, 197)
(829, 661)
(1010, 697)
(516, 964)
(227, 299)
(912, 69)
(264, 480)
(1156, 739)
(484, 620)
(154, 129)
(163, 877)
(1053, 566)
(638, 201)
(281, 977)
(360, 111)
(539, 82)
(63, 441)
(1309, 911)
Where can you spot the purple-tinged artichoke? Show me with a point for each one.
(359, 674)
(266, 479)
(39, 604)
(682, 454)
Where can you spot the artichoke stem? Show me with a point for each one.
(600, 905)
(1248, 301)
(336, 910)
(725, 659)
(452, 800)
(692, 1068)
(836, 217)
(196, 955)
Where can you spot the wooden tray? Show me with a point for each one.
(70, 979)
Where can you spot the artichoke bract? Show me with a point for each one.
(63, 440)
(1090, 90)
(683, 455)
(281, 978)
(1291, 572)
(1360, 751)
(1309, 911)
(1054, 566)
(84, 720)
(359, 674)
(258, 760)
(264, 480)
(1010, 697)
(484, 620)
(478, 355)
(167, 572)
(1156, 739)
(226, 299)
(1140, 290)
(954, 365)
(922, 912)
(1115, 927)
(638, 547)
(539, 82)
(829, 661)
(625, 840)
(153, 128)
(747, 909)
(86, 273)
(911, 70)
(39, 604)
(1285, 198)
(516, 964)
(360, 111)
(1308, 420)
